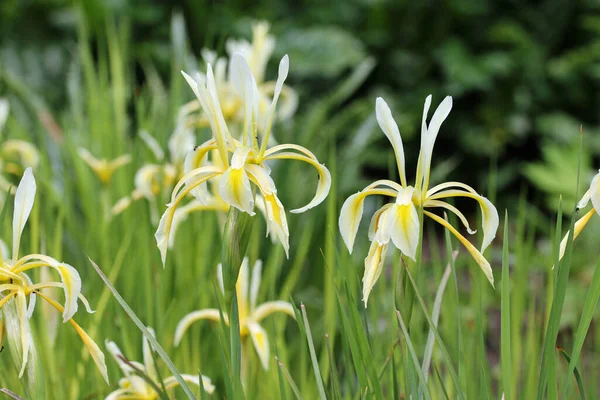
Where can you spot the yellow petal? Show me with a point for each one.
(72, 287)
(376, 220)
(211, 314)
(479, 258)
(277, 221)
(390, 128)
(94, 350)
(234, 187)
(171, 382)
(373, 267)
(579, 225)
(27, 153)
(242, 286)
(270, 307)
(24, 197)
(261, 342)
(402, 223)
(452, 209)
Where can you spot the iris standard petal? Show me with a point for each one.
(579, 225)
(373, 267)
(479, 258)
(211, 314)
(245, 84)
(24, 198)
(390, 128)
(261, 342)
(402, 223)
(270, 307)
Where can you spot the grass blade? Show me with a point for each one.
(575, 372)
(313, 355)
(161, 352)
(505, 347)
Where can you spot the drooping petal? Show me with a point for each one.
(24, 329)
(390, 128)
(234, 186)
(373, 267)
(261, 342)
(72, 287)
(323, 186)
(24, 198)
(489, 214)
(270, 307)
(579, 225)
(171, 382)
(182, 213)
(402, 223)
(479, 258)
(277, 221)
(255, 283)
(211, 314)
(452, 209)
(93, 349)
(376, 220)
(117, 354)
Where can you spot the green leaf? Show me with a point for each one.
(313, 355)
(505, 346)
(575, 372)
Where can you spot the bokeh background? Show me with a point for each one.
(525, 76)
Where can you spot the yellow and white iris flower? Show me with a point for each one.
(16, 285)
(257, 53)
(242, 163)
(593, 195)
(15, 156)
(398, 221)
(103, 168)
(250, 314)
(134, 387)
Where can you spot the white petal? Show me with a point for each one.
(234, 189)
(261, 342)
(152, 144)
(490, 221)
(595, 192)
(211, 314)
(402, 222)
(390, 128)
(373, 267)
(255, 283)
(350, 216)
(24, 198)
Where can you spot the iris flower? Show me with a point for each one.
(103, 168)
(242, 163)
(257, 53)
(15, 156)
(593, 195)
(250, 314)
(15, 283)
(398, 221)
(134, 387)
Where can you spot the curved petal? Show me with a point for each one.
(390, 128)
(234, 186)
(211, 314)
(489, 214)
(277, 221)
(451, 208)
(373, 267)
(182, 213)
(93, 349)
(117, 354)
(166, 221)
(152, 144)
(24, 329)
(261, 342)
(72, 287)
(352, 211)
(402, 223)
(171, 382)
(255, 283)
(376, 220)
(120, 394)
(579, 225)
(24, 197)
(270, 307)
(323, 186)
(284, 67)
(479, 258)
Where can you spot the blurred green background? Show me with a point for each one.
(523, 76)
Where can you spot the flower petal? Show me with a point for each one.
(452, 209)
(152, 144)
(171, 382)
(479, 258)
(390, 128)
(277, 221)
(376, 220)
(234, 187)
(242, 286)
(211, 314)
(373, 267)
(402, 223)
(245, 84)
(24, 198)
(261, 342)
(270, 307)
(72, 287)
(94, 350)
(255, 283)
(595, 193)
(24, 329)
(579, 225)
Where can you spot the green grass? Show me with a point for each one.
(478, 342)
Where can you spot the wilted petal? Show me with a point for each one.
(479, 258)
(261, 342)
(373, 267)
(94, 350)
(390, 128)
(211, 314)
(402, 222)
(24, 197)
